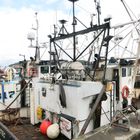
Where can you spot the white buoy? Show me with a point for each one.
(53, 131)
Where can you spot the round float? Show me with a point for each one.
(53, 131)
(44, 126)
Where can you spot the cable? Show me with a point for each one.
(123, 38)
(19, 94)
(43, 53)
(130, 14)
(123, 30)
(126, 46)
(84, 9)
(127, 7)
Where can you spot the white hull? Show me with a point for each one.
(79, 95)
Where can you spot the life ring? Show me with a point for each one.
(125, 92)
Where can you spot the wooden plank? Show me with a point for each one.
(92, 111)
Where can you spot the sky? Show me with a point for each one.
(18, 17)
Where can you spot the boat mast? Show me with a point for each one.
(98, 8)
(37, 52)
(74, 23)
(31, 37)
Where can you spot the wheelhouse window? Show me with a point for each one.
(44, 69)
(123, 72)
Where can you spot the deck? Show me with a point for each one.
(115, 133)
(26, 131)
(23, 130)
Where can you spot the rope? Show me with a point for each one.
(18, 94)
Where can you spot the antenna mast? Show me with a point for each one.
(98, 8)
(74, 23)
(37, 52)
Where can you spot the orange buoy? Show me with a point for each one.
(44, 126)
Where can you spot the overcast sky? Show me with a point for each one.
(18, 16)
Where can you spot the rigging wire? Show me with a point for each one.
(123, 30)
(84, 9)
(126, 46)
(123, 38)
(127, 7)
(133, 45)
(44, 52)
(122, 48)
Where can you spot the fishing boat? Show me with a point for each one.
(80, 95)
(73, 89)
